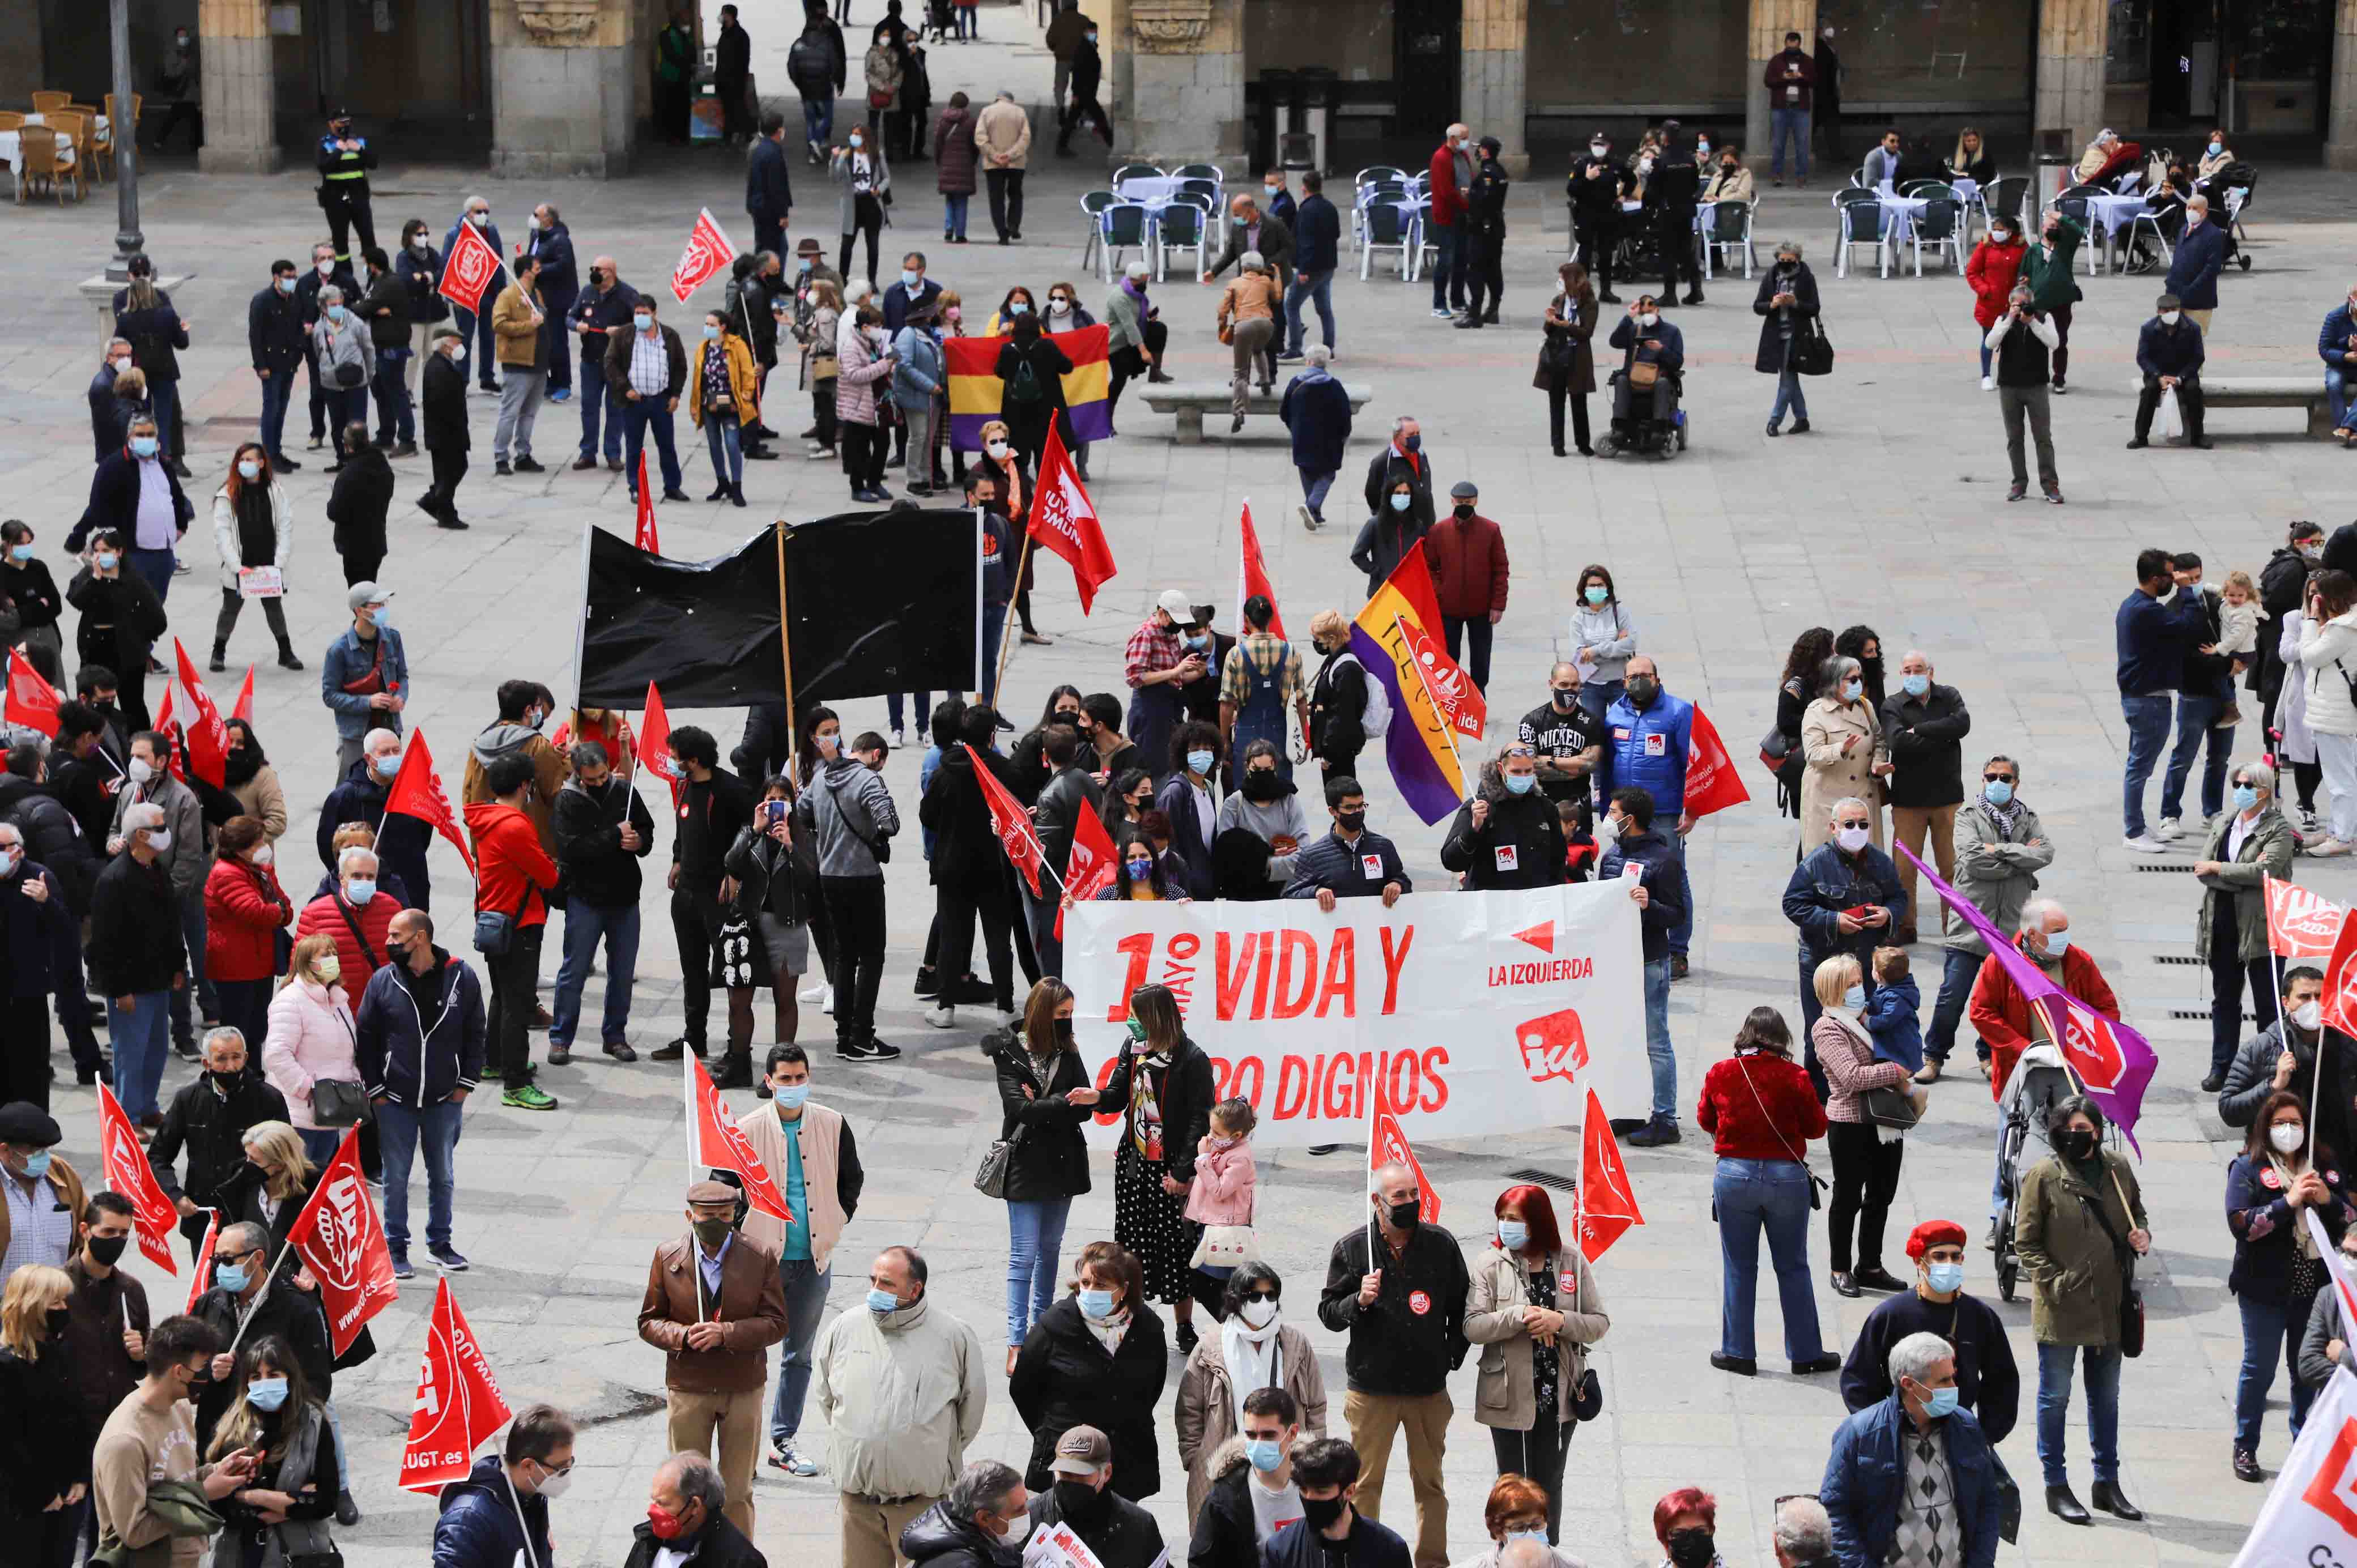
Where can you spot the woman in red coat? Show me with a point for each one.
(1990, 271)
(244, 911)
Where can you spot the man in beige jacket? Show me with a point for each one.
(811, 1157)
(900, 1387)
(517, 316)
(151, 1439)
(1002, 136)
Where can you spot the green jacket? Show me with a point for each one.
(2267, 851)
(2071, 1263)
(2050, 280)
(1124, 326)
(674, 54)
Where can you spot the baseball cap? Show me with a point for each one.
(1174, 603)
(367, 594)
(1082, 1451)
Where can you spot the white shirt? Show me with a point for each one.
(2236, 832)
(1272, 1510)
(155, 526)
(669, 1557)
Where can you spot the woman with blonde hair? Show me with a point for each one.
(281, 1515)
(1866, 1156)
(271, 1188)
(311, 1038)
(44, 1446)
(1970, 159)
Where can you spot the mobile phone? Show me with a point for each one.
(772, 812)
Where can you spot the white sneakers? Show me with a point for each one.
(1988, 383)
(816, 992)
(943, 1017)
(2329, 846)
(2144, 844)
(2167, 829)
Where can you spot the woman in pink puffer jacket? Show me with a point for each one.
(310, 1038)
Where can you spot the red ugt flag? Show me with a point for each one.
(1252, 571)
(31, 701)
(707, 252)
(417, 792)
(645, 538)
(714, 1142)
(1608, 1204)
(128, 1173)
(654, 741)
(1712, 783)
(341, 1240)
(1011, 822)
(1064, 520)
(1387, 1145)
(204, 1260)
(472, 266)
(1088, 869)
(208, 736)
(243, 708)
(2300, 923)
(458, 1401)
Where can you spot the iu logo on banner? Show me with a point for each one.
(707, 252)
(458, 1401)
(340, 1239)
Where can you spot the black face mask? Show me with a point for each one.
(1320, 1513)
(1691, 1548)
(1566, 701)
(108, 1250)
(711, 1232)
(1064, 1031)
(2079, 1144)
(1082, 1503)
(1463, 513)
(226, 1082)
(55, 1321)
(1402, 1216)
(1351, 821)
(1262, 784)
(1642, 689)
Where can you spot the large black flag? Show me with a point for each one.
(880, 601)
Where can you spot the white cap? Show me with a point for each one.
(1174, 601)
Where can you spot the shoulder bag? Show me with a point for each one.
(1813, 351)
(338, 1101)
(1816, 1185)
(2131, 1298)
(990, 1177)
(880, 848)
(495, 929)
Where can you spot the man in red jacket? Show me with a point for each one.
(1452, 176)
(514, 876)
(2000, 1013)
(1468, 557)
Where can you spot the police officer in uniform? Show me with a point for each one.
(344, 162)
(1485, 227)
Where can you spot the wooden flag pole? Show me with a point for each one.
(1006, 628)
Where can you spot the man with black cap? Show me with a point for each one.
(1118, 1532)
(42, 1192)
(344, 162)
(1987, 1382)
(714, 1306)
(1597, 184)
(1484, 232)
(2168, 353)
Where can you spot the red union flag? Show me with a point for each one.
(417, 792)
(714, 1142)
(1012, 823)
(469, 269)
(646, 538)
(1064, 520)
(243, 708)
(1452, 689)
(2340, 980)
(208, 736)
(127, 1171)
(1608, 1204)
(655, 744)
(707, 252)
(1387, 1145)
(341, 1241)
(458, 1401)
(204, 1260)
(31, 701)
(1712, 783)
(1088, 869)
(1252, 571)
(2300, 923)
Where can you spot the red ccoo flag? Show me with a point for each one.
(1064, 522)
(655, 744)
(208, 736)
(1252, 573)
(127, 1171)
(1608, 1204)
(1711, 782)
(417, 792)
(646, 538)
(171, 731)
(1012, 823)
(472, 266)
(714, 1142)
(204, 1260)
(1088, 869)
(341, 1241)
(243, 708)
(459, 1402)
(708, 251)
(1387, 1145)
(1451, 688)
(2300, 923)
(31, 701)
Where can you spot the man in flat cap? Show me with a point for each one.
(1986, 1382)
(41, 1192)
(713, 1306)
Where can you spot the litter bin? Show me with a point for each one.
(1280, 95)
(2052, 155)
(1312, 128)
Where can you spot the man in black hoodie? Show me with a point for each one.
(603, 831)
(683, 1523)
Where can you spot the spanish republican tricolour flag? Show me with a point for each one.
(1417, 745)
(976, 389)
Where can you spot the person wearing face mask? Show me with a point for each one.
(982, 1523)
(136, 954)
(500, 1510)
(355, 911)
(383, 306)
(136, 494)
(106, 1316)
(208, 1120)
(2001, 846)
(1843, 742)
(151, 1437)
(1595, 187)
(417, 267)
(1987, 1381)
(145, 317)
(2169, 354)
(1565, 736)
(245, 912)
(1866, 1157)
(714, 1306)
(2245, 846)
(687, 1520)
(1730, 178)
(311, 1038)
(284, 1509)
(1992, 269)
(1390, 530)
(1914, 1476)
(1683, 1523)
(861, 169)
(520, 317)
(646, 370)
(1077, 1493)
(1534, 1309)
(2194, 266)
(920, 392)
(43, 1192)
(2283, 1056)
(524, 707)
(105, 421)
(1924, 724)
(1190, 800)
(253, 526)
(345, 351)
(603, 831)
(1247, 1396)
(1653, 356)
(1791, 79)
(1508, 836)
(1470, 573)
(277, 338)
(1648, 863)
(516, 877)
(2281, 584)
(245, 1294)
(2052, 291)
(45, 1438)
(2001, 1013)
(361, 798)
(1787, 311)
(420, 1051)
(2281, 1174)
(474, 323)
(2079, 1226)
(1037, 1069)
(1337, 1526)
(724, 402)
(1844, 898)
(442, 417)
(39, 940)
(1484, 226)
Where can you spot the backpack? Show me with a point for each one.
(809, 63)
(1377, 719)
(1025, 387)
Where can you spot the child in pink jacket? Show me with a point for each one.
(1221, 1193)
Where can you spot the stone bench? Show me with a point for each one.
(2266, 392)
(1189, 400)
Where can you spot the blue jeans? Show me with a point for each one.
(1320, 292)
(1659, 1054)
(2270, 1334)
(164, 398)
(1448, 266)
(636, 417)
(1788, 394)
(806, 1286)
(199, 989)
(1793, 123)
(400, 1128)
(818, 118)
(2055, 1363)
(1750, 1196)
(1314, 486)
(584, 923)
(320, 1143)
(1985, 356)
(597, 399)
(2148, 721)
(1035, 1238)
(2336, 390)
(721, 439)
(1681, 934)
(1596, 697)
(993, 627)
(140, 1035)
(923, 702)
(277, 390)
(1956, 980)
(953, 206)
(2195, 717)
(154, 568)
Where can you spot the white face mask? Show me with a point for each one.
(2309, 1014)
(141, 771)
(1017, 1530)
(263, 855)
(1260, 1312)
(1649, 319)
(326, 268)
(2168, 317)
(1851, 840)
(2287, 1137)
(159, 840)
(996, 448)
(552, 1487)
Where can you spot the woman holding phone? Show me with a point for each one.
(771, 900)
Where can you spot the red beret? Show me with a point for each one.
(1933, 1233)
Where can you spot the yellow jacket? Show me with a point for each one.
(516, 323)
(743, 381)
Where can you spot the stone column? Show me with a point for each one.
(563, 89)
(2072, 36)
(1178, 83)
(2340, 136)
(1771, 20)
(234, 52)
(1494, 102)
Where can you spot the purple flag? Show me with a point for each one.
(2114, 1063)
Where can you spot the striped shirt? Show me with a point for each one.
(40, 1228)
(650, 364)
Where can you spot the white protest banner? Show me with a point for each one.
(2310, 1515)
(1477, 1013)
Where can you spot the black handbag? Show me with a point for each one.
(349, 376)
(1587, 1399)
(1558, 356)
(1813, 351)
(2131, 1298)
(1890, 1107)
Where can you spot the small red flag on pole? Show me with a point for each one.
(341, 1240)
(1064, 522)
(708, 251)
(459, 1402)
(646, 538)
(127, 1171)
(472, 266)
(243, 708)
(1252, 571)
(417, 792)
(31, 701)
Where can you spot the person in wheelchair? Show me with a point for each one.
(1645, 388)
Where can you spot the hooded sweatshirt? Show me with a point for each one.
(508, 861)
(550, 770)
(851, 811)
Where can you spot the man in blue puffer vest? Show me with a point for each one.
(1648, 741)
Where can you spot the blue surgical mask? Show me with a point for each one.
(1521, 783)
(233, 1277)
(142, 445)
(1270, 190)
(286, 286)
(908, 279)
(336, 313)
(1513, 1235)
(801, 264)
(1265, 1453)
(1019, 307)
(880, 1301)
(1596, 593)
(2245, 797)
(1241, 222)
(37, 1164)
(789, 1099)
(1400, 502)
(2217, 147)
(1514, 1535)
(711, 333)
(361, 889)
(643, 322)
(248, 469)
(1095, 1305)
(20, 552)
(1944, 1277)
(266, 1393)
(107, 560)
(1916, 685)
(1198, 762)
(1852, 689)
(1998, 792)
(1855, 998)
(1942, 1402)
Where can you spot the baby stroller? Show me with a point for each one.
(2038, 1080)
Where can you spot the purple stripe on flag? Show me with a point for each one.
(1415, 769)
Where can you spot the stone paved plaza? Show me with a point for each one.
(1889, 513)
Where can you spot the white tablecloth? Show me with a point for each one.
(98, 121)
(10, 145)
(1148, 189)
(2114, 212)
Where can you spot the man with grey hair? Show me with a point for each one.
(1924, 725)
(105, 427)
(980, 1524)
(1912, 1481)
(401, 840)
(208, 1119)
(1002, 135)
(137, 956)
(249, 1298)
(1402, 458)
(685, 1522)
(603, 830)
(1317, 409)
(1844, 897)
(1803, 1534)
(2001, 1012)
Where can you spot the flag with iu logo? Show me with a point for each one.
(1608, 1204)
